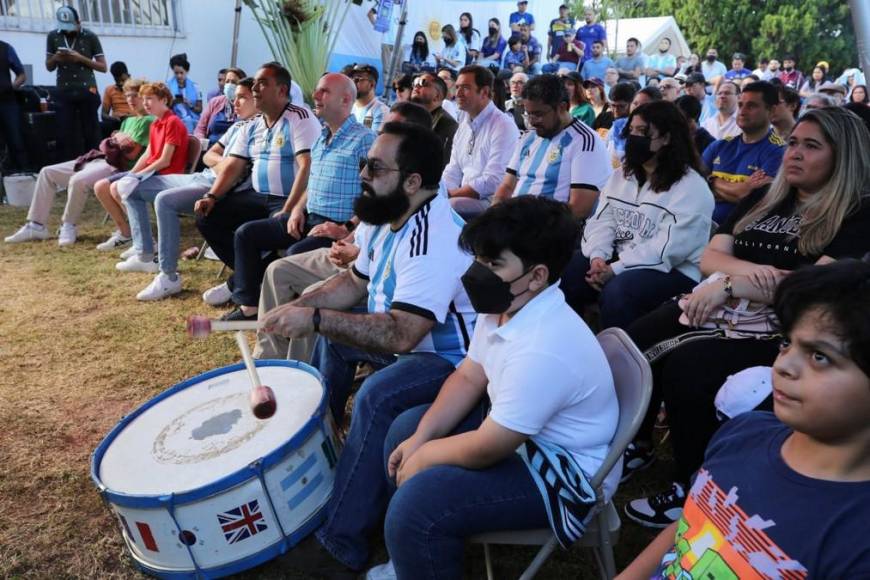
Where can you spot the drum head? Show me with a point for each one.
(206, 431)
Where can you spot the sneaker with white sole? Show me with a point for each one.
(217, 296)
(635, 458)
(131, 251)
(67, 235)
(136, 264)
(383, 572)
(161, 287)
(29, 232)
(660, 510)
(116, 240)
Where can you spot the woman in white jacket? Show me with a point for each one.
(644, 243)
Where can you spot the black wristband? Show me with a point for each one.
(315, 320)
(210, 196)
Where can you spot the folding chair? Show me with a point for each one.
(632, 378)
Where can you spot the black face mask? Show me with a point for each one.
(637, 151)
(788, 68)
(378, 210)
(711, 58)
(493, 31)
(488, 293)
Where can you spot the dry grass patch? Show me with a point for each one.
(77, 353)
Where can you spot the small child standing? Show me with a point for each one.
(788, 495)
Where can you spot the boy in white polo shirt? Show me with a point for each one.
(552, 398)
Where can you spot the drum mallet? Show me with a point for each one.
(202, 326)
(262, 398)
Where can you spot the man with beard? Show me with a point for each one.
(561, 158)
(368, 109)
(324, 213)
(483, 145)
(429, 91)
(277, 145)
(416, 329)
(288, 278)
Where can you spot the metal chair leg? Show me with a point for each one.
(540, 558)
(488, 559)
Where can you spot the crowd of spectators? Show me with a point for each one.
(462, 239)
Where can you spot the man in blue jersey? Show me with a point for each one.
(561, 158)
(276, 145)
(741, 164)
(591, 32)
(416, 329)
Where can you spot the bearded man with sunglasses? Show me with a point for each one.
(416, 330)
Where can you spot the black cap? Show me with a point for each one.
(695, 78)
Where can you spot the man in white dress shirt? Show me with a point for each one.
(482, 146)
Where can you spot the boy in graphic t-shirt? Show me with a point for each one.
(788, 495)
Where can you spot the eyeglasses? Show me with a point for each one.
(373, 167)
(421, 82)
(361, 79)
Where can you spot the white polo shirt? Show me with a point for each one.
(481, 151)
(549, 379)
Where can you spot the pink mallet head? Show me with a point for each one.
(198, 326)
(263, 403)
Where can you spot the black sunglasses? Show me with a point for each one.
(373, 167)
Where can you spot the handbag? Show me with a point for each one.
(739, 315)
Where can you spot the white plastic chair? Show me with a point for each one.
(632, 378)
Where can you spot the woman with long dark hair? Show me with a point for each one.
(579, 106)
(470, 36)
(817, 210)
(644, 243)
(859, 95)
(419, 56)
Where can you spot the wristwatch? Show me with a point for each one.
(210, 196)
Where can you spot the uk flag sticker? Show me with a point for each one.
(242, 522)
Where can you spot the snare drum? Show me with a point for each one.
(202, 488)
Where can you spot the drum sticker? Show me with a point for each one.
(308, 476)
(144, 531)
(242, 522)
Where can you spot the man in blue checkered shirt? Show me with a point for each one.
(325, 211)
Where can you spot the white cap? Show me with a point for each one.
(744, 391)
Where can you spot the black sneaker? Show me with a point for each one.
(237, 314)
(635, 459)
(660, 510)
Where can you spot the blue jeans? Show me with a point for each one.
(140, 222)
(258, 237)
(432, 514)
(359, 498)
(168, 205)
(626, 297)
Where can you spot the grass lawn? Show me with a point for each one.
(77, 353)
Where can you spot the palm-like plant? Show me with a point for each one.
(301, 34)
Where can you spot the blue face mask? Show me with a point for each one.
(230, 91)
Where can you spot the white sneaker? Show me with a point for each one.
(67, 235)
(28, 233)
(161, 287)
(132, 250)
(220, 294)
(116, 240)
(383, 572)
(136, 264)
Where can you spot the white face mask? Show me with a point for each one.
(230, 91)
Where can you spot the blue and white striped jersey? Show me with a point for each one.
(273, 150)
(573, 158)
(417, 269)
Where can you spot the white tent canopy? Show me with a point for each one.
(649, 31)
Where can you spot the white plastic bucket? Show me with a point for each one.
(19, 189)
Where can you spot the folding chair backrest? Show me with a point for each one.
(632, 378)
(194, 150)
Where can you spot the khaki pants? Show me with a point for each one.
(285, 280)
(53, 178)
